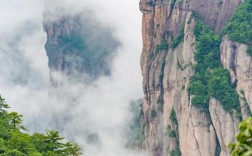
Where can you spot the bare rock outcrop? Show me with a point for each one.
(235, 58)
(225, 125)
(77, 45)
(166, 77)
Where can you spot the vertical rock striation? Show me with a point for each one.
(77, 45)
(167, 69)
(235, 58)
(80, 50)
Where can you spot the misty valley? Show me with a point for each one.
(142, 78)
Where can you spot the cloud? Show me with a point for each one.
(78, 109)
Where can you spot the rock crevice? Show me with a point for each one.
(167, 74)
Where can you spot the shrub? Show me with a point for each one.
(153, 113)
(239, 28)
(243, 145)
(162, 46)
(172, 134)
(173, 117)
(13, 153)
(173, 2)
(17, 143)
(179, 39)
(175, 152)
(210, 79)
(72, 41)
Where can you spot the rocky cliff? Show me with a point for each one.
(80, 50)
(173, 124)
(77, 45)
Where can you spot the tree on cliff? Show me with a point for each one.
(243, 144)
(16, 121)
(14, 142)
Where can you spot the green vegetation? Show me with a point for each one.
(239, 28)
(245, 102)
(210, 78)
(172, 134)
(175, 152)
(161, 77)
(73, 41)
(179, 39)
(153, 113)
(173, 117)
(172, 131)
(162, 46)
(135, 133)
(173, 2)
(14, 142)
(220, 88)
(243, 144)
(180, 2)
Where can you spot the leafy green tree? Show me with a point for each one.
(39, 141)
(54, 141)
(35, 154)
(20, 141)
(239, 28)
(243, 144)
(2, 146)
(14, 142)
(51, 145)
(4, 128)
(210, 79)
(4, 122)
(72, 149)
(3, 105)
(16, 121)
(13, 153)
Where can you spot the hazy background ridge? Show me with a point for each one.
(100, 108)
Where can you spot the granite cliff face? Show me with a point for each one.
(235, 58)
(78, 46)
(171, 123)
(80, 50)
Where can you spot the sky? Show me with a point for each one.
(100, 108)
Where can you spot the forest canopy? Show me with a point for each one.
(15, 141)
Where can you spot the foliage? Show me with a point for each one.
(173, 2)
(245, 102)
(3, 107)
(16, 121)
(73, 41)
(239, 28)
(20, 142)
(173, 117)
(153, 113)
(175, 152)
(72, 149)
(135, 133)
(172, 134)
(220, 88)
(13, 153)
(210, 79)
(162, 46)
(14, 142)
(243, 144)
(179, 39)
